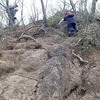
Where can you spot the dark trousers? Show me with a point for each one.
(72, 26)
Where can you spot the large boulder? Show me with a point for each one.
(6, 67)
(33, 60)
(12, 56)
(56, 50)
(57, 79)
(9, 61)
(28, 45)
(15, 87)
(57, 38)
(93, 80)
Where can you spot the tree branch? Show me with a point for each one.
(2, 5)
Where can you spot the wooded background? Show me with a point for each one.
(47, 12)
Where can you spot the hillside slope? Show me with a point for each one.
(53, 67)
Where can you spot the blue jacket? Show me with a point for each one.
(70, 19)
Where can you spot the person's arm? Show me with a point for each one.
(65, 18)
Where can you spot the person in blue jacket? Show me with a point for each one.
(71, 26)
(69, 17)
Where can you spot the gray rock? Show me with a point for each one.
(57, 38)
(57, 50)
(33, 60)
(28, 45)
(93, 80)
(15, 87)
(56, 79)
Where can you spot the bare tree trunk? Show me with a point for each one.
(22, 4)
(93, 6)
(85, 6)
(81, 8)
(35, 13)
(34, 9)
(73, 6)
(46, 5)
(44, 13)
(81, 5)
(11, 11)
(64, 3)
(8, 13)
(7, 3)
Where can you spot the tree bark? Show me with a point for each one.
(22, 20)
(64, 4)
(7, 3)
(81, 5)
(8, 12)
(85, 6)
(73, 6)
(44, 13)
(93, 6)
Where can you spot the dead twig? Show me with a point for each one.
(77, 56)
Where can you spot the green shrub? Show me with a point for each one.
(54, 20)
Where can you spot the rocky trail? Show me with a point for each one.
(47, 68)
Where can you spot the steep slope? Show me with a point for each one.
(47, 68)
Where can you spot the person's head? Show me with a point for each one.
(68, 12)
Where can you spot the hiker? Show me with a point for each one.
(11, 11)
(69, 17)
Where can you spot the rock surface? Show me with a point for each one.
(46, 70)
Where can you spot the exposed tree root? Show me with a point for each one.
(77, 56)
(26, 37)
(30, 28)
